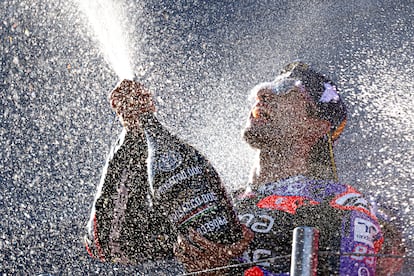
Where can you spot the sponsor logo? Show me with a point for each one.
(260, 224)
(365, 231)
(287, 204)
(352, 200)
(169, 161)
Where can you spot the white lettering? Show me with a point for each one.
(194, 171)
(209, 197)
(212, 225)
(177, 178)
(264, 225)
(365, 231)
(192, 204)
(171, 182)
(259, 254)
(249, 217)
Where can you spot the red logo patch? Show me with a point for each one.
(352, 200)
(287, 204)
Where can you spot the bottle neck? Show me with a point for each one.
(155, 132)
(149, 121)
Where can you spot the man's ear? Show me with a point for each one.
(321, 127)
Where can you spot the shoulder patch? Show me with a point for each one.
(352, 200)
(287, 204)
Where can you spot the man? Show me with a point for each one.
(293, 124)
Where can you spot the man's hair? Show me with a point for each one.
(323, 92)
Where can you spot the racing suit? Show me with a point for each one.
(342, 215)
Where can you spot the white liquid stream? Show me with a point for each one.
(108, 21)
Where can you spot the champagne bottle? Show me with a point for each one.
(186, 188)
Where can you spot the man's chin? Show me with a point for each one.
(255, 139)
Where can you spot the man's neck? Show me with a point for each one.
(277, 164)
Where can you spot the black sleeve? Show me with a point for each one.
(123, 226)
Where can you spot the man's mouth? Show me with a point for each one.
(260, 112)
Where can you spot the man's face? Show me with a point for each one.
(282, 120)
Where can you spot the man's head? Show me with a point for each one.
(299, 106)
(300, 110)
(322, 92)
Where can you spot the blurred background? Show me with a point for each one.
(200, 59)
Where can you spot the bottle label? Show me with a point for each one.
(191, 196)
(193, 208)
(212, 225)
(178, 178)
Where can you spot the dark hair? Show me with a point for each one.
(323, 92)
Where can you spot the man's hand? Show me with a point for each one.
(129, 100)
(206, 254)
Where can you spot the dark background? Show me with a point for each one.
(200, 59)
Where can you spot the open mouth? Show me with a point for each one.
(260, 112)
